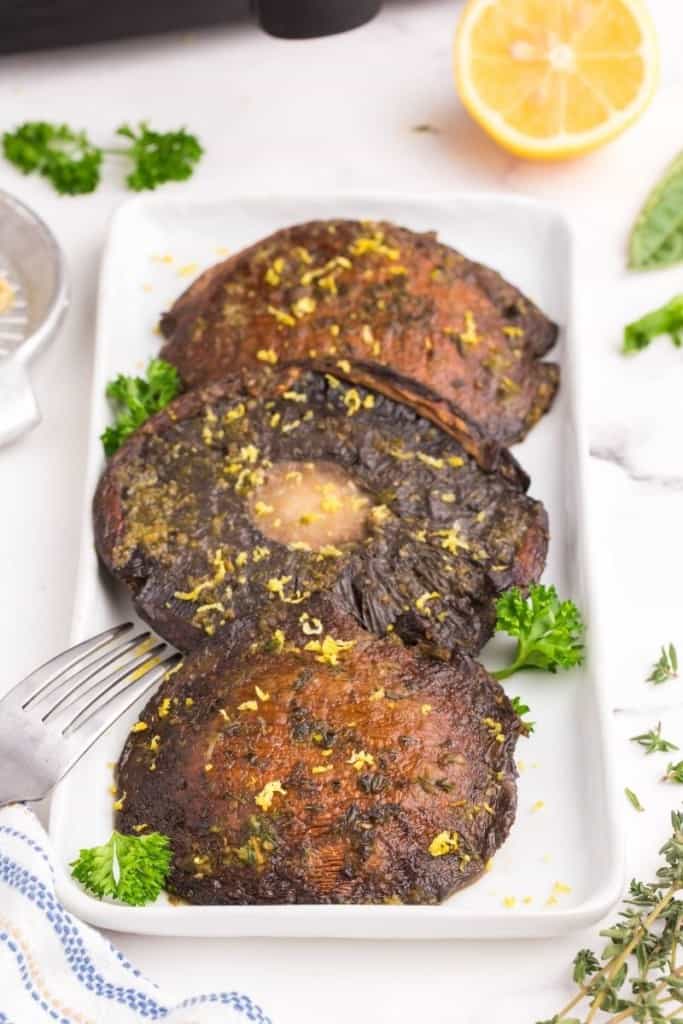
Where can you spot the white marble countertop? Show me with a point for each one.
(323, 115)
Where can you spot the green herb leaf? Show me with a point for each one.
(638, 976)
(666, 666)
(674, 772)
(633, 799)
(159, 156)
(585, 963)
(560, 1020)
(72, 163)
(131, 869)
(521, 709)
(549, 631)
(67, 158)
(136, 399)
(657, 236)
(652, 741)
(667, 319)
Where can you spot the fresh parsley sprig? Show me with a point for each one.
(549, 632)
(135, 399)
(653, 742)
(65, 157)
(132, 869)
(158, 157)
(72, 162)
(637, 976)
(666, 666)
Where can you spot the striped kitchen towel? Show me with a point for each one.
(53, 968)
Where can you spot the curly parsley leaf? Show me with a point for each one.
(549, 631)
(668, 319)
(657, 236)
(132, 869)
(666, 666)
(158, 157)
(652, 741)
(72, 162)
(135, 399)
(67, 158)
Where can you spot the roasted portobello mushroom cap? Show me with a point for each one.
(322, 766)
(247, 496)
(371, 291)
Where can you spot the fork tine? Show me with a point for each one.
(47, 674)
(134, 685)
(78, 712)
(136, 647)
(90, 729)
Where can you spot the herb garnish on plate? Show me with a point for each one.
(549, 631)
(521, 709)
(131, 869)
(136, 399)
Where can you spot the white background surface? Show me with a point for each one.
(338, 113)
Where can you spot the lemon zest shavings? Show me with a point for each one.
(443, 843)
(361, 759)
(329, 649)
(264, 799)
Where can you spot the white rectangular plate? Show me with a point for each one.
(561, 868)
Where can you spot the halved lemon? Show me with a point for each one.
(555, 78)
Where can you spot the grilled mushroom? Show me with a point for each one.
(245, 497)
(322, 765)
(371, 291)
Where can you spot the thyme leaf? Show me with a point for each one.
(637, 976)
(674, 772)
(633, 799)
(666, 666)
(652, 741)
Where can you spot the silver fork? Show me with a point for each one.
(54, 715)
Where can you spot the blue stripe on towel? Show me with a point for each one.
(75, 952)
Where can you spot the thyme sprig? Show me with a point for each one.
(666, 666)
(674, 772)
(653, 742)
(637, 975)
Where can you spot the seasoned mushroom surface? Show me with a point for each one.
(336, 768)
(371, 291)
(237, 501)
